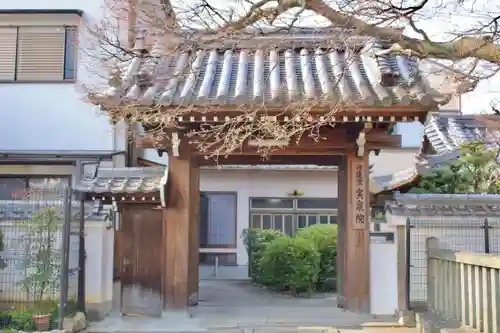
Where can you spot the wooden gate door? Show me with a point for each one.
(141, 256)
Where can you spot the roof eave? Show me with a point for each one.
(78, 12)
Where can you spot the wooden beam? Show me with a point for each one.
(383, 141)
(330, 140)
(320, 110)
(353, 249)
(272, 160)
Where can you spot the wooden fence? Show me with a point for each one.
(464, 286)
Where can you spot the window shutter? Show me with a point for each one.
(8, 38)
(41, 54)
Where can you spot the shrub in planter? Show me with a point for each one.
(255, 241)
(324, 237)
(22, 321)
(290, 264)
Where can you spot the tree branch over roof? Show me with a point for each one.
(461, 48)
(255, 58)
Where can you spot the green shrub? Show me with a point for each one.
(255, 241)
(290, 264)
(22, 321)
(324, 237)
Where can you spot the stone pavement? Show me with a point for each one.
(238, 306)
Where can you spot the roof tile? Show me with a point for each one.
(123, 180)
(273, 74)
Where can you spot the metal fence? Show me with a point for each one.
(40, 253)
(470, 234)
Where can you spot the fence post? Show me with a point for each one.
(486, 228)
(80, 301)
(408, 262)
(64, 271)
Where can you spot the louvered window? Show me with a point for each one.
(37, 53)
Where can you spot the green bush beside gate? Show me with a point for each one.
(303, 263)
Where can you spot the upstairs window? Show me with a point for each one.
(38, 53)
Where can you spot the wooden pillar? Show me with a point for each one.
(353, 242)
(194, 236)
(180, 218)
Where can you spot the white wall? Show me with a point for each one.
(99, 242)
(384, 275)
(54, 116)
(391, 161)
(268, 183)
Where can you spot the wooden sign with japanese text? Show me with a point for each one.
(359, 194)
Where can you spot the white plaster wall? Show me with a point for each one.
(99, 265)
(384, 275)
(392, 161)
(54, 116)
(268, 183)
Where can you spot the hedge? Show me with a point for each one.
(303, 263)
(255, 241)
(290, 264)
(324, 237)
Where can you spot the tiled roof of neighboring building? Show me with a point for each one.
(411, 204)
(12, 210)
(447, 132)
(123, 180)
(275, 69)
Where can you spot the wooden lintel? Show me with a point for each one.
(327, 160)
(383, 142)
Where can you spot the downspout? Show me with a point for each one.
(113, 144)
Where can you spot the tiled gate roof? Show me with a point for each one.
(275, 74)
(123, 180)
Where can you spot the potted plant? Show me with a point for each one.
(42, 264)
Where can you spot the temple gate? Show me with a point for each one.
(352, 96)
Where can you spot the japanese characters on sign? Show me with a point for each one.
(359, 196)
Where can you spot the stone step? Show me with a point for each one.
(267, 329)
(314, 329)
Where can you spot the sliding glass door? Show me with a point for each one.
(289, 214)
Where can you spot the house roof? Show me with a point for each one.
(44, 155)
(447, 132)
(11, 210)
(275, 69)
(123, 180)
(410, 204)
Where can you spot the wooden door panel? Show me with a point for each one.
(141, 267)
